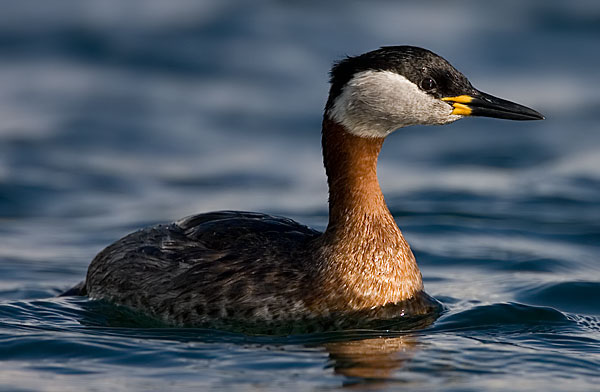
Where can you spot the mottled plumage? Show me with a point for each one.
(220, 265)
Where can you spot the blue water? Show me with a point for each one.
(116, 115)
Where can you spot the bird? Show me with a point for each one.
(233, 268)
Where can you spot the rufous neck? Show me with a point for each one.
(363, 255)
(351, 166)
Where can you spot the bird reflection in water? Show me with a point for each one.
(373, 360)
(378, 359)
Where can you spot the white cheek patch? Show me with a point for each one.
(376, 103)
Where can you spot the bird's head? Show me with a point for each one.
(378, 92)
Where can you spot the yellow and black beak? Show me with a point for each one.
(481, 104)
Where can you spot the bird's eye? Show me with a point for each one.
(428, 84)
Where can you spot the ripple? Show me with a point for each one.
(503, 316)
(57, 336)
(573, 297)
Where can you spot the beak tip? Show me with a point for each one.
(538, 116)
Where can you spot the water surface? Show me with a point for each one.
(119, 115)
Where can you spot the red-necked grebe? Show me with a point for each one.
(230, 267)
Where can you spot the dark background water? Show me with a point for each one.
(118, 114)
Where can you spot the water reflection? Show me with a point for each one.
(372, 360)
(379, 355)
